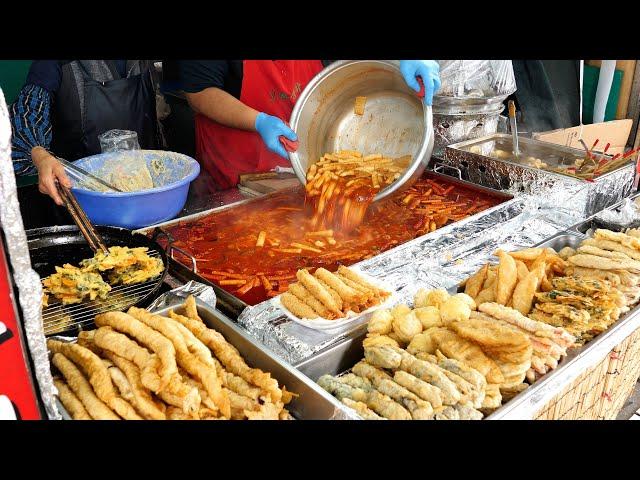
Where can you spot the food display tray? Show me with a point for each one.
(585, 197)
(232, 305)
(312, 402)
(341, 357)
(589, 224)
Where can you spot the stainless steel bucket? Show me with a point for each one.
(395, 123)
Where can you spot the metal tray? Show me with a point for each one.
(339, 358)
(585, 197)
(557, 155)
(313, 403)
(233, 306)
(587, 226)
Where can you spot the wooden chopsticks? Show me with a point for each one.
(84, 224)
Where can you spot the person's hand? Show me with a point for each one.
(49, 170)
(270, 129)
(428, 70)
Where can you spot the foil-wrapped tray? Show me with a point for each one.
(343, 355)
(488, 161)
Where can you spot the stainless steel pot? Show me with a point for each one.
(395, 123)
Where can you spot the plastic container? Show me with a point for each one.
(171, 173)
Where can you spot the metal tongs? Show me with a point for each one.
(87, 229)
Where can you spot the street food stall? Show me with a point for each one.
(407, 276)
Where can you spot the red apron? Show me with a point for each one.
(269, 86)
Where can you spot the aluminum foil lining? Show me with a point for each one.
(178, 295)
(476, 78)
(566, 194)
(450, 129)
(440, 259)
(627, 215)
(26, 279)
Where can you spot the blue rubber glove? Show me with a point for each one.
(270, 128)
(429, 70)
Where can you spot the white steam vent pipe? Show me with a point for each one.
(607, 69)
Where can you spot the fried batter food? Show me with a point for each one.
(612, 246)
(142, 400)
(525, 290)
(507, 277)
(98, 376)
(458, 348)
(70, 401)
(471, 375)
(381, 404)
(148, 337)
(474, 284)
(229, 356)
(454, 309)
(406, 326)
(361, 409)
(489, 334)
(308, 300)
(509, 315)
(317, 289)
(380, 322)
(72, 285)
(300, 309)
(602, 263)
(419, 409)
(428, 316)
(619, 237)
(121, 371)
(430, 298)
(191, 363)
(82, 388)
(109, 340)
(125, 265)
(373, 340)
(429, 373)
(566, 252)
(422, 389)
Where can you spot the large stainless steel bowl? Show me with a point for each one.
(395, 123)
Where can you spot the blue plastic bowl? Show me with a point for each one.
(143, 208)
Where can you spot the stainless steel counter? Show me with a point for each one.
(197, 202)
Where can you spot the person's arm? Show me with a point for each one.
(202, 82)
(31, 129)
(30, 125)
(223, 108)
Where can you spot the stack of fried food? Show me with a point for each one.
(603, 277)
(138, 365)
(427, 362)
(514, 281)
(331, 295)
(123, 265)
(342, 185)
(466, 361)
